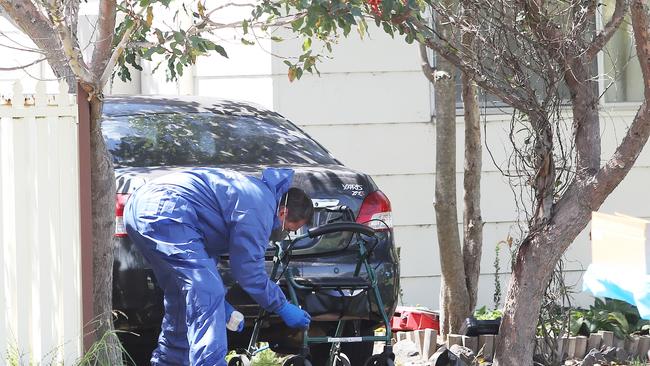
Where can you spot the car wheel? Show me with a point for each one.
(342, 360)
(296, 361)
(239, 360)
(379, 360)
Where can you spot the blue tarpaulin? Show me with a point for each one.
(621, 283)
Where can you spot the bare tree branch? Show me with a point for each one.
(104, 45)
(22, 49)
(584, 15)
(278, 23)
(637, 135)
(39, 28)
(110, 64)
(226, 5)
(447, 51)
(70, 46)
(72, 15)
(601, 39)
(23, 66)
(428, 71)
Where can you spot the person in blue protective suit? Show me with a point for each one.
(182, 221)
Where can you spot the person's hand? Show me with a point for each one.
(293, 316)
(229, 310)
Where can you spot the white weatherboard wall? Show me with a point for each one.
(40, 281)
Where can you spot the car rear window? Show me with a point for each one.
(208, 139)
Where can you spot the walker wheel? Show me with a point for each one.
(239, 360)
(380, 360)
(342, 360)
(296, 361)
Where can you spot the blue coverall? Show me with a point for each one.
(181, 222)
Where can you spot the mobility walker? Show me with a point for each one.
(366, 241)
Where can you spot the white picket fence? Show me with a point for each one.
(40, 274)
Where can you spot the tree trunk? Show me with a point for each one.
(530, 276)
(454, 291)
(103, 211)
(536, 259)
(472, 221)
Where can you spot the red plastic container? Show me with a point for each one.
(408, 318)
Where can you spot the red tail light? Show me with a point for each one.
(120, 201)
(376, 212)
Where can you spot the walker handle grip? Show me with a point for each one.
(340, 226)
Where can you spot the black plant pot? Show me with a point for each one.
(473, 327)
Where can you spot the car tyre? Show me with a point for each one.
(342, 360)
(380, 360)
(296, 361)
(239, 360)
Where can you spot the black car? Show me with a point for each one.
(152, 136)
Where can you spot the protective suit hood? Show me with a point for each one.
(278, 180)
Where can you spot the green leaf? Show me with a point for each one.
(128, 23)
(387, 6)
(247, 42)
(277, 39)
(156, 67)
(309, 62)
(296, 24)
(361, 28)
(170, 69)
(124, 74)
(349, 19)
(244, 26)
(346, 29)
(306, 45)
(220, 50)
(130, 58)
(620, 318)
(286, 62)
(388, 28)
(304, 56)
(178, 37)
(148, 53)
